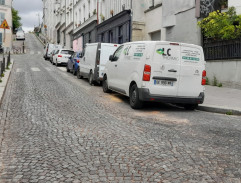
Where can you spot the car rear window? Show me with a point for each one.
(67, 52)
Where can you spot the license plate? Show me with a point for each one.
(163, 83)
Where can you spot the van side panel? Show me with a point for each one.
(192, 66)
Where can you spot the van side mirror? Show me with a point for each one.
(111, 58)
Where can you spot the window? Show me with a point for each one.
(156, 36)
(102, 37)
(120, 35)
(2, 2)
(2, 17)
(89, 37)
(118, 53)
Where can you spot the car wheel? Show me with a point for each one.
(91, 78)
(190, 107)
(74, 72)
(56, 63)
(135, 102)
(105, 85)
(78, 74)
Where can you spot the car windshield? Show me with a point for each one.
(67, 52)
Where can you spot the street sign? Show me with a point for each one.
(4, 25)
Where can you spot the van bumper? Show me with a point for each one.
(144, 95)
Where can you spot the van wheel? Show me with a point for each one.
(78, 74)
(91, 79)
(74, 72)
(105, 85)
(135, 102)
(190, 107)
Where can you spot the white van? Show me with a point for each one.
(49, 48)
(94, 58)
(157, 71)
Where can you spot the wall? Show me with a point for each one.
(236, 4)
(6, 9)
(154, 24)
(226, 72)
(186, 29)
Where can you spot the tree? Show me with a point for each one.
(222, 26)
(16, 19)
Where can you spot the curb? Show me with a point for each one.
(5, 82)
(39, 39)
(221, 110)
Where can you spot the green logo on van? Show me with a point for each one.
(162, 52)
(190, 58)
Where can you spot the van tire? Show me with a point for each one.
(190, 107)
(105, 85)
(135, 102)
(91, 78)
(78, 74)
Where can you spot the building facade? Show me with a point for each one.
(6, 14)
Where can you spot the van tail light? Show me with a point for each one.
(147, 73)
(204, 77)
(77, 61)
(59, 55)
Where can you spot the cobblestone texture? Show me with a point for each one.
(55, 128)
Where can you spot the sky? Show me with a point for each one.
(28, 10)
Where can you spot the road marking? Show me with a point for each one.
(31, 52)
(62, 68)
(48, 68)
(35, 69)
(18, 70)
(39, 52)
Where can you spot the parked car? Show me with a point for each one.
(62, 56)
(20, 35)
(93, 61)
(157, 71)
(73, 63)
(49, 48)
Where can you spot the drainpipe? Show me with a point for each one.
(97, 12)
(131, 19)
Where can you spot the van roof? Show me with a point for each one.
(165, 42)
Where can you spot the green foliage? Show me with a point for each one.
(2, 75)
(220, 84)
(16, 19)
(207, 81)
(222, 26)
(215, 81)
(229, 113)
(1, 80)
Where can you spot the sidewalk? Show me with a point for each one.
(222, 100)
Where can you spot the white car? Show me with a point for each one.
(20, 35)
(157, 71)
(48, 48)
(62, 56)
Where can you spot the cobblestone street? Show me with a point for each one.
(57, 128)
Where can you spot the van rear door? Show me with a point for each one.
(192, 66)
(165, 68)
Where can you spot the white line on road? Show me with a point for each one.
(35, 69)
(39, 52)
(62, 68)
(48, 68)
(18, 70)
(31, 52)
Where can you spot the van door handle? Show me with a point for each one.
(172, 70)
(115, 65)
